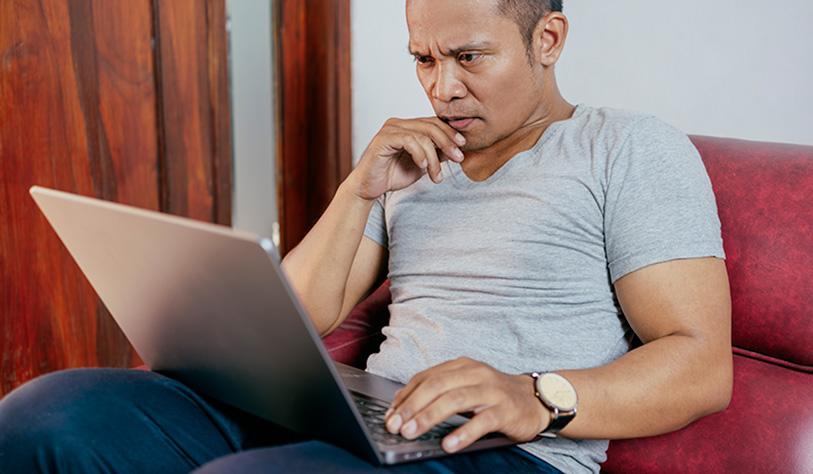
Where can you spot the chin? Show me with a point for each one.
(476, 143)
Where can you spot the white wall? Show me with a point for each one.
(725, 68)
(383, 73)
(254, 206)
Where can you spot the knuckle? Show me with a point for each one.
(457, 398)
(447, 137)
(424, 420)
(490, 419)
(433, 385)
(483, 371)
(426, 141)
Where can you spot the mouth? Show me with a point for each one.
(459, 123)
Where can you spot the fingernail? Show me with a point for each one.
(394, 424)
(458, 154)
(460, 139)
(388, 413)
(409, 428)
(450, 443)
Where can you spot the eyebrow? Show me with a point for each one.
(458, 50)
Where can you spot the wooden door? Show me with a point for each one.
(314, 153)
(125, 100)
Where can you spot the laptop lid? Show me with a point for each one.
(193, 297)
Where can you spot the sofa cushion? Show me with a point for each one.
(766, 210)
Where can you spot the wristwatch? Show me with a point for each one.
(557, 394)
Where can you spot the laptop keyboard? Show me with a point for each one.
(372, 411)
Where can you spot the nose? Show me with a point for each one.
(447, 85)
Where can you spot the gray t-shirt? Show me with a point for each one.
(516, 271)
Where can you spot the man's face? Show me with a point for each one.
(473, 65)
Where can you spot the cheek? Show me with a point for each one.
(510, 98)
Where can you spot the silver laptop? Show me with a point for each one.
(211, 307)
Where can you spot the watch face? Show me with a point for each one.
(557, 391)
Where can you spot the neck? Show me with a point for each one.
(483, 162)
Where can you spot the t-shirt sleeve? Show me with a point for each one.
(659, 203)
(376, 228)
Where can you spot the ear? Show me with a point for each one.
(549, 38)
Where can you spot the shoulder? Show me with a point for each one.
(619, 125)
(627, 135)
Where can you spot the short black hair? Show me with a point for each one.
(526, 14)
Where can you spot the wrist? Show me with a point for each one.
(352, 188)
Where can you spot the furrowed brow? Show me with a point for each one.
(411, 51)
(476, 45)
(466, 47)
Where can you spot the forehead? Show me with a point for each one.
(452, 23)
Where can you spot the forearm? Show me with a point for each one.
(319, 266)
(656, 388)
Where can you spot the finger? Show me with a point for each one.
(446, 139)
(435, 173)
(487, 421)
(449, 403)
(419, 377)
(450, 137)
(415, 150)
(427, 391)
(448, 130)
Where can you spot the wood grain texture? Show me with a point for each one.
(220, 109)
(193, 108)
(314, 117)
(186, 125)
(77, 91)
(79, 95)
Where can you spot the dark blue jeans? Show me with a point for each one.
(112, 420)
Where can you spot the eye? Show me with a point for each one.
(469, 58)
(422, 60)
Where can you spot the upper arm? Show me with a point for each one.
(367, 269)
(688, 297)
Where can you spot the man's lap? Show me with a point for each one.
(316, 456)
(129, 420)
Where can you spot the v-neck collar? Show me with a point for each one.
(460, 180)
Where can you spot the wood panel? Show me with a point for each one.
(314, 152)
(193, 109)
(79, 96)
(217, 44)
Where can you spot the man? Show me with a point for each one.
(521, 235)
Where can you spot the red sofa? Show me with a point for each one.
(765, 200)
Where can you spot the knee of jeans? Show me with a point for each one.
(54, 413)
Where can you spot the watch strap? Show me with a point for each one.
(558, 421)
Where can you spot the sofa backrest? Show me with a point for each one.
(765, 201)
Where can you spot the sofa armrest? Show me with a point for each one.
(768, 427)
(360, 334)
